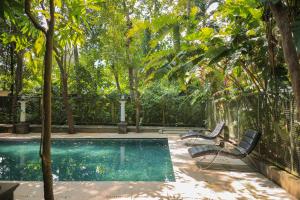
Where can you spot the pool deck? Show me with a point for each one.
(226, 179)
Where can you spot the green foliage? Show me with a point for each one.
(214, 49)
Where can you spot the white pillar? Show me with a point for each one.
(122, 102)
(23, 111)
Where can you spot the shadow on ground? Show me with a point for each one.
(225, 179)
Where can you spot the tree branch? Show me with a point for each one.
(52, 18)
(32, 18)
(57, 53)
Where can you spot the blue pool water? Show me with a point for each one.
(89, 160)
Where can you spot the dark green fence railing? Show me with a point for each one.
(272, 114)
(105, 111)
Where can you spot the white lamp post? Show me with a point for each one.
(122, 113)
(23, 111)
(22, 127)
(122, 125)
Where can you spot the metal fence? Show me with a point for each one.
(95, 110)
(273, 115)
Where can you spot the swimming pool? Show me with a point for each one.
(89, 160)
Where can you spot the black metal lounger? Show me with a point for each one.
(212, 135)
(246, 145)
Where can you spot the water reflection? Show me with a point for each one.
(122, 155)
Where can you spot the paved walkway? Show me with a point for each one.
(226, 179)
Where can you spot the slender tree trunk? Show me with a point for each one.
(188, 8)
(252, 77)
(19, 71)
(64, 83)
(46, 150)
(113, 117)
(18, 84)
(77, 65)
(7, 58)
(131, 83)
(12, 86)
(176, 37)
(12, 66)
(116, 78)
(137, 104)
(128, 41)
(163, 115)
(188, 13)
(232, 78)
(12, 91)
(46, 135)
(271, 53)
(280, 13)
(137, 113)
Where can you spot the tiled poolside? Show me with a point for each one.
(226, 179)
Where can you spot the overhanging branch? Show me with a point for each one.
(32, 18)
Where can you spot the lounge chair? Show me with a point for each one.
(246, 145)
(210, 136)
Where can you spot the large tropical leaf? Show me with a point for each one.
(215, 54)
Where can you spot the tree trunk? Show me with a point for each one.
(252, 77)
(188, 14)
(18, 84)
(137, 112)
(280, 13)
(113, 116)
(163, 116)
(131, 83)
(137, 104)
(116, 78)
(46, 150)
(12, 66)
(64, 83)
(46, 133)
(12, 69)
(77, 65)
(156, 7)
(176, 37)
(188, 8)
(128, 41)
(271, 54)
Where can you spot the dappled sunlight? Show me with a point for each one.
(124, 72)
(226, 179)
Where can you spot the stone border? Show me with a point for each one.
(284, 179)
